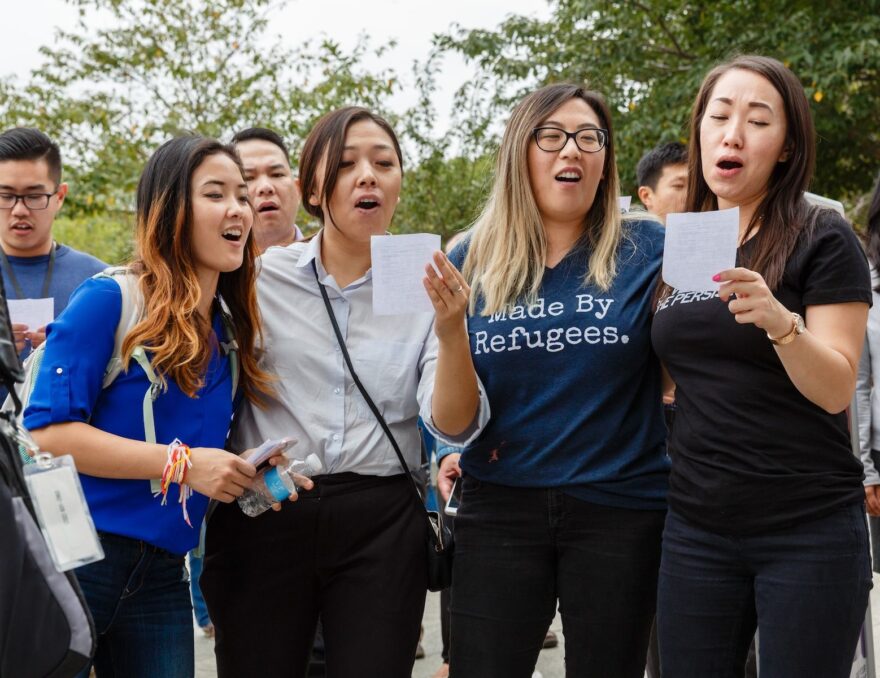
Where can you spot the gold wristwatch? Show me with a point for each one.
(798, 327)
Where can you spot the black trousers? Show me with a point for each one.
(351, 550)
(518, 551)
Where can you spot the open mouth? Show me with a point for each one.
(568, 177)
(729, 164)
(267, 207)
(22, 228)
(367, 204)
(232, 234)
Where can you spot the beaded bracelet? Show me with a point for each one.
(179, 461)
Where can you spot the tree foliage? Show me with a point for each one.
(110, 96)
(451, 172)
(649, 58)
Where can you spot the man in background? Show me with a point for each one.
(271, 186)
(37, 271)
(662, 177)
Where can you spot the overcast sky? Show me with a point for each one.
(30, 24)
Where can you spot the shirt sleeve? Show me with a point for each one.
(863, 408)
(836, 270)
(428, 367)
(79, 344)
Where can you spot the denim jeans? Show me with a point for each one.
(805, 587)
(519, 550)
(200, 609)
(139, 598)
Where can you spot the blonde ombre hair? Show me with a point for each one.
(508, 246)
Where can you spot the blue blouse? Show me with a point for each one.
(68, 388)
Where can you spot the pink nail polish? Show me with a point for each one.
(717, 277)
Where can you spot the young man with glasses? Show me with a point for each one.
(34, 265)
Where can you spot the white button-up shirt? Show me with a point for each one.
(316, 400)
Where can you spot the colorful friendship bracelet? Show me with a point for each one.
(179, 461)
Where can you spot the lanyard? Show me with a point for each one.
(19, 293)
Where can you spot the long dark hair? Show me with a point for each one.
(178, 336)
(784, 213)
(327, 141)
(873, 231)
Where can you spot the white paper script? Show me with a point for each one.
(398, 268)
(35, 313)
(699, 245)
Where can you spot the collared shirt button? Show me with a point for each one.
(337, 390)
(59, 371)
(335, 436)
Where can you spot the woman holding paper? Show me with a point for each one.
(353, 549)
(766, 527)
(195, 258)
(564, 492)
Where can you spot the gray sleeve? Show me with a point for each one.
(863, 409)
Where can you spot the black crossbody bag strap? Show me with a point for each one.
(367, 398)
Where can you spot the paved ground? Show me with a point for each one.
(550, 663)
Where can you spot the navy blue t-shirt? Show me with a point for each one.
(574, 384)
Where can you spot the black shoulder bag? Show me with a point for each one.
(438, 537)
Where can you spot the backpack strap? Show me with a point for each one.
(132, 312)
(229, 345)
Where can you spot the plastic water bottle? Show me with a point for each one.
(276, 484)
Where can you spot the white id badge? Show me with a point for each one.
(62, 512)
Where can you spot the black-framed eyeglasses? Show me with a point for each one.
(553, 139)
(33, 201)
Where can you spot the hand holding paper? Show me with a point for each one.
(698, 246)
(35, 313)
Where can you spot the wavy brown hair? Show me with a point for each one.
(179, 339)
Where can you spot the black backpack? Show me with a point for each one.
(45, 626)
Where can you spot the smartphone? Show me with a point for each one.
(454, 499)
(268, 448)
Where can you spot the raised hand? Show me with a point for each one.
(449, 294)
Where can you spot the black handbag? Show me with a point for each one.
(438, 541)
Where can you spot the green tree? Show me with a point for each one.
(110, 96)
(451, 172)
(649, 58)
(107, 236)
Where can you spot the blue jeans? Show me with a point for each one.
(198, 600)
(139, 598)
(805, 587)
(519, 550)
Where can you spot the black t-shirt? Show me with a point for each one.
(749, 452)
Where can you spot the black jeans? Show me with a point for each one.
(352, 550)
(806, 588)
(518, 551)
